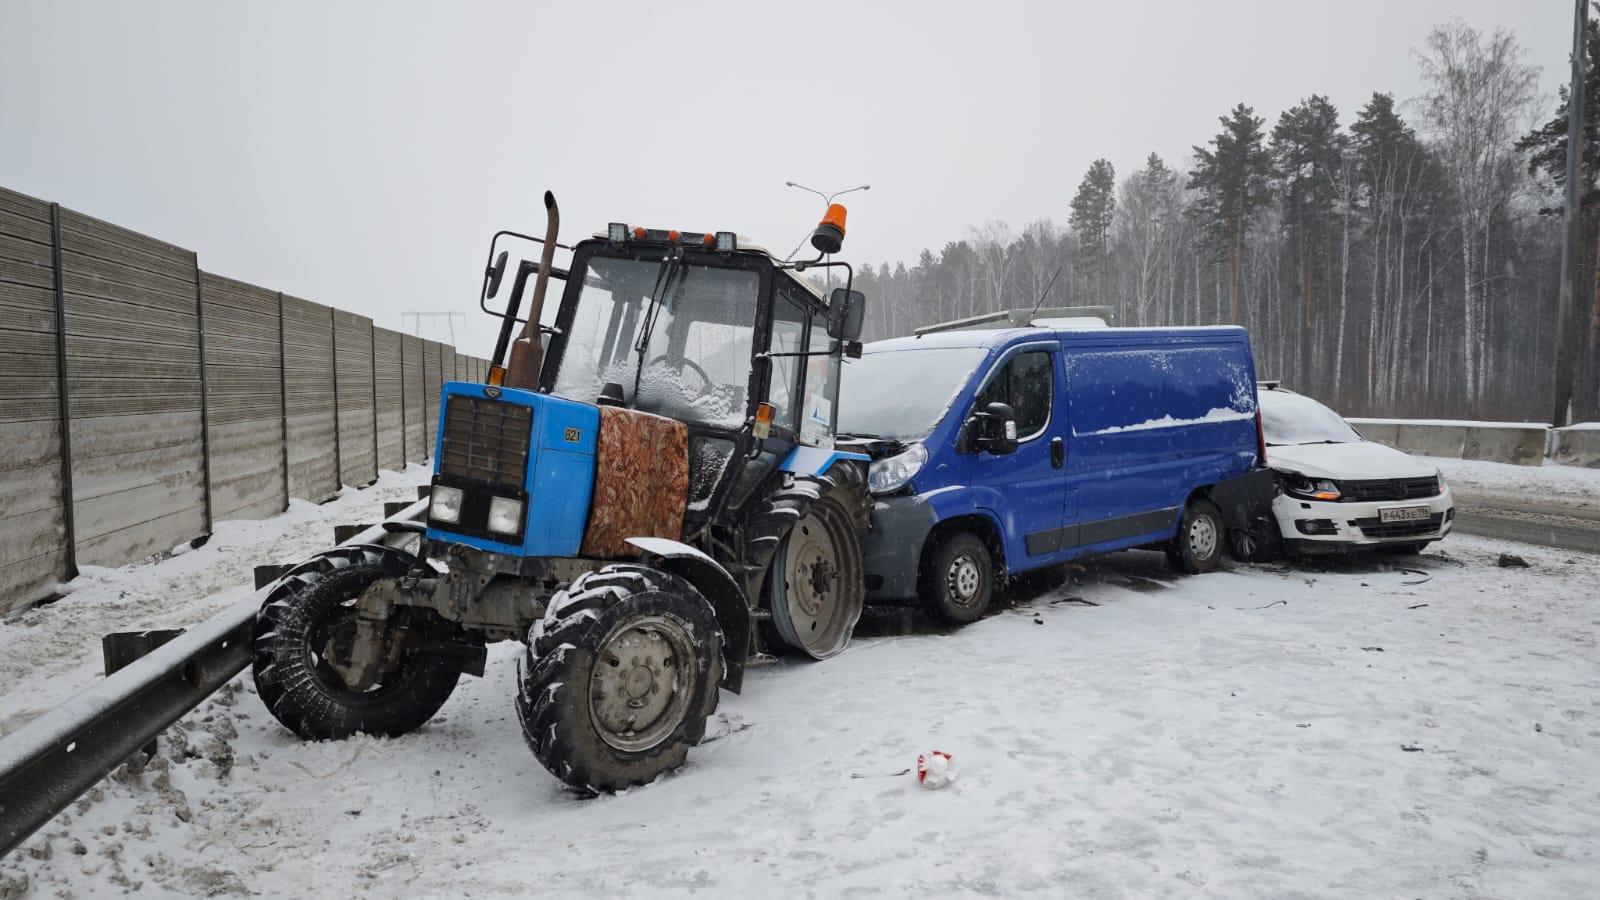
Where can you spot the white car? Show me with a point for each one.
(1339, 491)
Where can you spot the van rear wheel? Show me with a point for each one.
(1198, 547)
(958, 582)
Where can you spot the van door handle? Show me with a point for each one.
(1058, 453)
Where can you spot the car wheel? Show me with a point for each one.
(1259, 542)
(1198, 547)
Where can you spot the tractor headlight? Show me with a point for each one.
(445, 504)
(892, 473)
(505, 515)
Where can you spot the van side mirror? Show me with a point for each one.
(846, 310)
(995, 429)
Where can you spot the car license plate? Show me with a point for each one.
(1404, 514)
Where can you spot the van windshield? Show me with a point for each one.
(902, 394)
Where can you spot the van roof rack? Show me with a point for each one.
(1022, 318)
(1271, 384)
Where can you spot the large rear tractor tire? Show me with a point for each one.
(310, 619)
(620, 677)
(816, 583)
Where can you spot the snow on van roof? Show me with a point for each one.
(993, 337)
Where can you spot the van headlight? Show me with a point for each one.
(892, 473)
(505, 515)
(445, 504)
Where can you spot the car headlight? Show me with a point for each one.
(1443, 485)
(1313, 488)
(892, 473)
(445, 505)
(505, 515)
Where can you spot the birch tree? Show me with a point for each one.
(1478, 96)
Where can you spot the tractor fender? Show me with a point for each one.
(711, 579)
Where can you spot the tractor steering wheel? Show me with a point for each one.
(685, 362)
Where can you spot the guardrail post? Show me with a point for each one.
(122, 648)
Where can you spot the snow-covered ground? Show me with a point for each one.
(49, 653)
(1382, 727)
(1572, 484)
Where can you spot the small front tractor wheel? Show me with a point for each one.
(958, 581)
(1198, 547)
(620, 677)
(306, 628)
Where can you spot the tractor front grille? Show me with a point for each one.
(486, 441)
(1389, 489)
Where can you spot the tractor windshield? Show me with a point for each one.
(687, 359)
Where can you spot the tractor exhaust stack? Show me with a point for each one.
(527, 351)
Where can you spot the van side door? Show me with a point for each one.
(1026, 489)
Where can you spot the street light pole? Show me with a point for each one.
(1571, 254)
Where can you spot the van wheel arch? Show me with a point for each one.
(955, 540)
(1182, 552)
(974, 523)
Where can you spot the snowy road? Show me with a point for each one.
(1549, 505)
(1237, 734)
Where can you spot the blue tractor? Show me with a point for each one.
(646, 493)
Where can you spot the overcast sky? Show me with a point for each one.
(361, 154)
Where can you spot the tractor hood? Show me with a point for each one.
(1364, 460)
(566, 478)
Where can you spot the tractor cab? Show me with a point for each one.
(710, 332)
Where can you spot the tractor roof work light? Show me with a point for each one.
(617, 232)
(727, 242)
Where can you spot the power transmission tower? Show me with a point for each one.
(416, 317)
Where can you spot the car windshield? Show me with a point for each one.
(902, 394)
(1293, 419)
(695, 365)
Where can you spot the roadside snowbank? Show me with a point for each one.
(1548, 481)
(1335, 729)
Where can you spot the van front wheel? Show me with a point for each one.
(958, 581)
(1198, 547)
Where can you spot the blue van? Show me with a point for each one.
(997, 452)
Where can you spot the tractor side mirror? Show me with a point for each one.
(995, 429)
(495, 273)
(846, 310)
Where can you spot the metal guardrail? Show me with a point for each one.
(53, 760)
